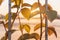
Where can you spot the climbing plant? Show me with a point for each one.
(28, 14)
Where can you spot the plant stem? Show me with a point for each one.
(19, 20)
(9, 21)
(40, 20)
(46, 21)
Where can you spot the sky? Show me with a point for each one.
(54, 3)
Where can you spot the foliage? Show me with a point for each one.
(27, 13)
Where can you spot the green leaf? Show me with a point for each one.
(51, 30)
(26, 13)
(27, 27)
(35, 5)
(51, 14)
(38, 26)
(26, 4)
(1, 1)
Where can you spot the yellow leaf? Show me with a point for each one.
(27, 28)
(6, 17)
(38, 26)
(26, 13)
(18, 2)
(35, 5)
(1, 1)
(21, 26)
(26, 4)
(34, 13)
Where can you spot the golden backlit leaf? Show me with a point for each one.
(51, 30)
(1, 1)
(35, 5)
(34, 13)
(21, 26)
(26, 13)
(6, 17)
(38, 26)
(18, 2)
(26, 4)
(27, 27)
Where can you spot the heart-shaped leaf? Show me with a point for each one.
(51, 14)
(35, 5)
(38, 26)
(26, 13)
(51, 30)
(27, 27)
(26, 4)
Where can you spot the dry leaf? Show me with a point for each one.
(51, 30)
